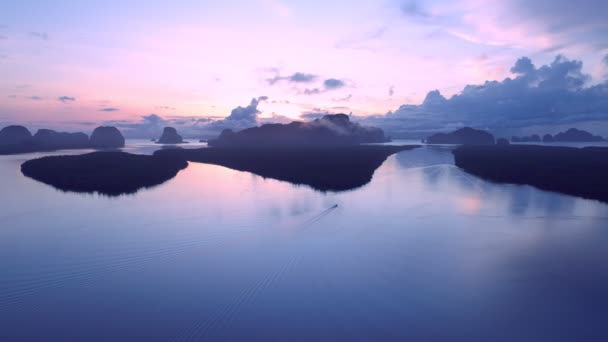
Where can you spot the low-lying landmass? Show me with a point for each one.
(528, 138)
(336, 168)
(107, 173)
(574, 171)
(332, 168)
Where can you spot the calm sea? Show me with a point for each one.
(424, 252)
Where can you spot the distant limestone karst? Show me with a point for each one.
(576, 135)
(170, 137)
(548, 138)
(18, 139)
(330, 130)
(14, 135)
(107, 137)
(463, 136)
(49, 139)
(571, 135)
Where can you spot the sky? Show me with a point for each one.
(411, 67)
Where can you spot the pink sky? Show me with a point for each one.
(203, 59)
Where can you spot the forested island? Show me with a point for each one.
(573, 171)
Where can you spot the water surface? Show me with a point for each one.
(422, 252)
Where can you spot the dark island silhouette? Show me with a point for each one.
(170, 137)
(576, 135)
(18, 139)
(328, 168)
(14, 135)
(571, 135)
(326, 154)
(106, 173)
(573, 171)
(330, 130)
(46, 138)
(463, 136)
(105, 137)
(503, 141)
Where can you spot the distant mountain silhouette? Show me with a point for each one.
(463, 136)
(18, 139)
(107, 137)
(336, 168)
(571, 135)
(49, 139)
(14, 135)
(573, 171)
(170, 137)
(330, 130)
(576, 135)
(107, 173)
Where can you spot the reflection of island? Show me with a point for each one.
(108, 173)
(335, 168)
(426, 156)
(573, 171)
